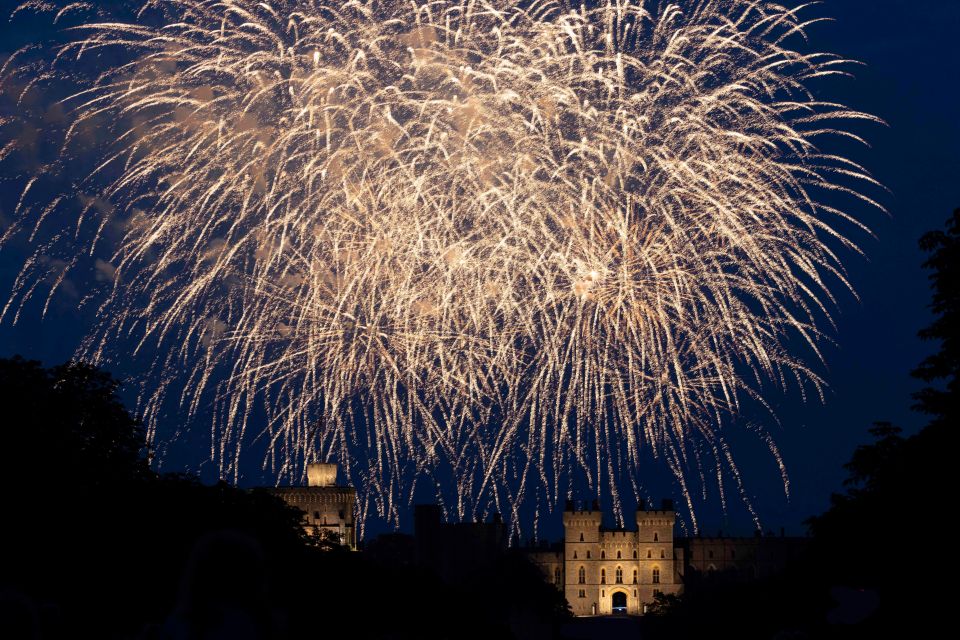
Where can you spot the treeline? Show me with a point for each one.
(877, 565)
(96, 544)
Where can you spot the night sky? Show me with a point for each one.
(910, 79)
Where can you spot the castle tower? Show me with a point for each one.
(327, 507)
(660, 563)
(581, 550)
(322, 474)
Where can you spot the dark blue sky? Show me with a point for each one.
(911, 79)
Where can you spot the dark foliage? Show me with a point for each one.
(65, 426)
(786, 606)
(327, 540)
(944, 262)
(92, 535)
(517, 601)
(665, 604)
(899, 487)
(874, 546)
(97, 545)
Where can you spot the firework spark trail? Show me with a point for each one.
(509, 239)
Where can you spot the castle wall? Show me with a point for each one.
(600, 564)
(596, 564)
(739, 559)
(325, 508)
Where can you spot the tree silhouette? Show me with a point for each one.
(941, 403)
(327, 540)
(900, 490)
(65, 426)
(875, 566)
(89, 530)
(98, 545)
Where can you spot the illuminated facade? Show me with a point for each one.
(608, 571)
(603, 571)
(326, 506)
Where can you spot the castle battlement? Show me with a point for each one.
(326, 505)
(603, 571)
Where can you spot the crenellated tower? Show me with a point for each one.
(581, 528)
(661, 562)
(619, 570)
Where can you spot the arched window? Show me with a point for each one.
(603, 576)
(556, 576)
(733, 553)
(618, 555)
(588, 554)
(603, 554)
(656, 576)
(619, 575)
(634, 554)
(710, 554)
(649, 553)
(582, 576)
(574, 555)
(581, 537)
(634, 576)
(656, 537)
(662, 553)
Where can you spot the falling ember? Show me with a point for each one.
(512, 240)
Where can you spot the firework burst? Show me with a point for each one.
(511, 240)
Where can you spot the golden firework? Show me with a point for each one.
(507, 239)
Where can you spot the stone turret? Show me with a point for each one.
(656, 526)
(327, 506)
(618, 570)
(321, 474)
(581, 549)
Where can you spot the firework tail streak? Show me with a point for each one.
(513, 240)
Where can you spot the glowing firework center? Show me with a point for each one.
(509, 242)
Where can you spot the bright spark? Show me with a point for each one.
(511, 240)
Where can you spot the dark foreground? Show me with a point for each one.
(601, 628)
